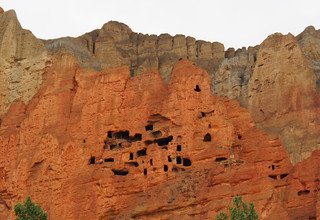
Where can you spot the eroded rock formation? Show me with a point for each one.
(111, 125)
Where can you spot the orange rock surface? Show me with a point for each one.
(102, 145)
(119, 125)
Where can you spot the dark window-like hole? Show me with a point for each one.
(273, 177)
(113, 146)
(84, 141)
(142, 152)
(165, 168)
(283, 175)
(164, 141)
(169, 159)
(186, 162)
(131, 156)
(121, 135)
(149, 127)
(109, 134)
(156, 134)
(220, 159)
(178, 147)
(148, 142)
(137, 137)
(165, 148)
(178, 159)
(180, 59)
(120, 172)
(145, 172)
(207, 138)
(109, 160)
(151, 162)
(239, 136)
(303, 192)
(92, 160)
(133, 163)
(197, 89)
(209, 125)
(272, 167)
(202, 114)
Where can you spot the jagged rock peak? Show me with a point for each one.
(115, 26)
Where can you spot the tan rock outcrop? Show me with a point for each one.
(22, 62)
(115, 44)
(282, 95)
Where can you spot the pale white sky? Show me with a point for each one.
(235, 23)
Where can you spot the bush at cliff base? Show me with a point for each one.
(29, 211)
(239, 211)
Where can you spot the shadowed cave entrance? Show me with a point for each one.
(163, 141)
(197, 88)
(122, 172)
(207, 138)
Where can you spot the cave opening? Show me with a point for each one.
(142, 152)
(163, 141)
(165, 168)
(109, 134)
(92, 160)
(186, 162)
(110, 159)
(122, 172)
(133, 163)
(273, 177)
(197, 88)
(156, 134)
(178, 160)
(131, 156)
(149, 127)
(136, 137)
(178, 147)
(284, 175)
(122, 135)
(169, 159)
(207, 138)
(113, 146)
(145, 171)
(148, 142)
(151, 162)
(220, 159)
(303, 192)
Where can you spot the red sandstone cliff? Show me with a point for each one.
(90, 132)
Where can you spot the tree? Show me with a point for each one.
(29, 211)
(239, 211)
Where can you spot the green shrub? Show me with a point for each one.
(29, 211)
(239, 211)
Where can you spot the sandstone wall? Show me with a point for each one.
(104, 145)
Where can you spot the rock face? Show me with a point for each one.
(282, 95)
(22, 62)
(115, 45)
(126, 139)
(119, 125)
